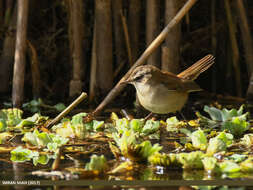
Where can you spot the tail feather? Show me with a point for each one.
(197, 68)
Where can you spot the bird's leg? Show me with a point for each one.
(182, 115)
(148, 116)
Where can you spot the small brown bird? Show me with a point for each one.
(164, 92)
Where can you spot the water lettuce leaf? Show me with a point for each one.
(21, 154)
(97, 163)
(229, 167)
(247, 140)
(11, 116)
(210, 164)
(199, 140)
(44, 139)
(247, 165)
(237, 126)
(192, 160)
(224, 114)
(219, 143)
(150, 126)
(173, 124)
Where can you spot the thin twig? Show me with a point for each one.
(56, 163)
(152, 47)
(67, 110)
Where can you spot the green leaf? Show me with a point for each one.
(97, 125)
(33, 106)
(21, 154)
(122, 125)
(229, 166)
(199, 139)
(59, 107)
(78, 125)
(226, 137)
(4, 137)
(3, 125)
(192, 160)
(214, 113)
(237, 157)
(43, 139)
(236, 127)
(41, 159)
(225, 114)
(124, 141)
(247, 140)
(147, 150)
(215, 145)
(52, 147)
(137, 125)
(172, 124)
(78, 118)
(219, 143)
(150, 127)
(97, 163)
(65, 129)
(11, 116)
(247, 165)
(210, 164)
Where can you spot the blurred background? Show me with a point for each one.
(75, 45)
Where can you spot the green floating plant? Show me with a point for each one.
(4, 137)
(10, 117)
(76, 127)
(235, 121)
(229, 166)
(97, 163)
(49, 140)
(173, 124)
(237, 158)
(36, 119)
(11, 120)
(166, 160)
(150, 127)
(139, 126)
(21, 154)
(3, 125)
(35, 106)
(219, 143)
(247, 165)
(225, 114)
(192, 160)
(132, 149)
(237, 126)
(247, 140)
(79, 125)
(199, 140)
(210, 164)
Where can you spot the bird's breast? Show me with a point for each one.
(158, 99)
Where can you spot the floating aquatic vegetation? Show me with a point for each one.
(21, 154)
(235, 121)
(97, 163)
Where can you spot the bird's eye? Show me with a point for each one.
(138, 78)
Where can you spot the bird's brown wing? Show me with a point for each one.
(170, 80)
(197, 68)
(173, 82)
